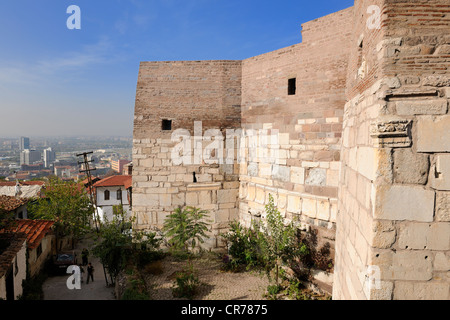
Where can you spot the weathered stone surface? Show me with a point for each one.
(442, 261)
(252, 169)
(421, 290)
(294, 204)
(440, 180)
(411, 265)
(323, 210)
(443, 206)
(317, 177)
(436, 81)
(433, 135)
(228, 195)
(398, 202)
(410, 167)
(281, 173)
(309, 207)
(409, 108)
(435, 236)
(297, 175)
(384, 234)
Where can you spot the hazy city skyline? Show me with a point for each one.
(60, 82)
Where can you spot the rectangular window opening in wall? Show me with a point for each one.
(166, 125)
(292, 86)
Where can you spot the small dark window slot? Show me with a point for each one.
(195, 178)
(292, 86)
(166, 125)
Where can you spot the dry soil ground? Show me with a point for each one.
(214, 283)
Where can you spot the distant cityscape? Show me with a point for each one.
(34, 158)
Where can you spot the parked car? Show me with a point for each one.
(62, 260)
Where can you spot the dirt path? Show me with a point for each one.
(215, 284)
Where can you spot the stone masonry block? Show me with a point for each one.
(323, 210)
(440, 178)
(281, 173)
(192, 198)
(309, 207)
(294, 204)
(227, 195)
(443, 206)
(298, 175)
(398, 202)
(434, 236)
(410, 108)
(165, 200)
(384, 234)
(317, 177)
(433, 135)
(405, 290)
(411, 265)
(410, 167)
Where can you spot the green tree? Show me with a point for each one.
(66, 203)
(118, 243)
(186, 227)
(277, 241)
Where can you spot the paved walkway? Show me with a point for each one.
(55, 287)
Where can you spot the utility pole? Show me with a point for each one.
(93, 197)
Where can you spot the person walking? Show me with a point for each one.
(90, 273)
(81, 272)
(84, 256)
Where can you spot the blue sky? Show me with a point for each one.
(55, 81)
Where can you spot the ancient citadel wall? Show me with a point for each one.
(300, 166)
(205, 93)
(393, 231)
(360, 153)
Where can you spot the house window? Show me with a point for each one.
(106, 194)
(166, 125)
(292, 86)
(119, 194)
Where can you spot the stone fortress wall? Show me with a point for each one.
(359, 152)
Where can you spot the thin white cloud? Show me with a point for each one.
(46, 69)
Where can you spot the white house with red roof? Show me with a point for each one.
(111, 191)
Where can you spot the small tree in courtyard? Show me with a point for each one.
(186, 227)
(277, 241)
(118, 243)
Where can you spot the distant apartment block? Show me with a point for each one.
(49, 157)
(117, 165)
(24, 143)
(63, 171)
(28, 156)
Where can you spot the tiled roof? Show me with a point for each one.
(22, 183)
(10, 203)
(16, 242)
(113, 181)
(34, 229)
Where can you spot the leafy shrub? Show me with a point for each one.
(186, 283)
(118, 244)
(277, 241)
(135, 291)
(242, 247)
